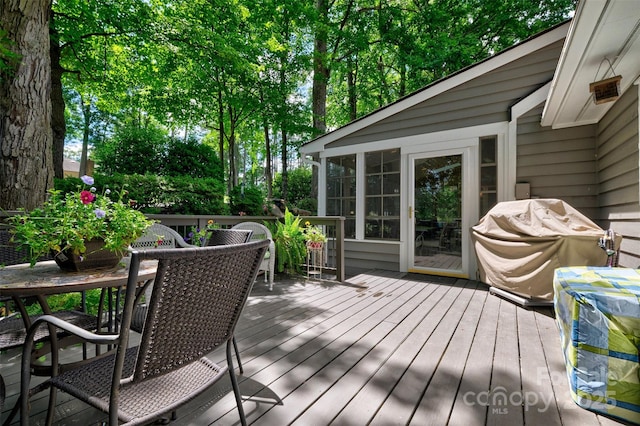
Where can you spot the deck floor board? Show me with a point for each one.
(385, 348)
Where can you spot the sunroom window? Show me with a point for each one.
(382, 197)
(341, 191)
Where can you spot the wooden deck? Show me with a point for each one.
(384, 349)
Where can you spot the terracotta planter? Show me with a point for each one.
(95, 257)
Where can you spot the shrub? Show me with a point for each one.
(163, 194)
(250, 202)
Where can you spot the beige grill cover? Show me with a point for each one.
(519, 244)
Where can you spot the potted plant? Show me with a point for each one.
(199, 237)
(314, 236)
(77, 227)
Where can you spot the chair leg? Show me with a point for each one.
(235, 347)
(2, 393)
(234, 385)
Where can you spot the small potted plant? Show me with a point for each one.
(76, 226)
(199, 236)
(314, 236)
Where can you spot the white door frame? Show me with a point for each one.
(468, 149)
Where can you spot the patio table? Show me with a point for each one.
(46, 278)
(598, 314)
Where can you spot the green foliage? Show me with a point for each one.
(68, 220)
(191, 158)
(248, 202)
(289, 238)
(69, 301)
(309, 204)
(163, 194)
(187, 195)
(314, 233)
(299, 188)
(8, 59)
(132, 151)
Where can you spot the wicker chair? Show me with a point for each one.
(159, 236)
(223, 237)
(261, 232)
(138, 385)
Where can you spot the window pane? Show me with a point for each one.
(374, 207)
(391, 206)
(372, 229)
(487, 201)
(391, 229)
(488, 150)
(341, 190)
(373, 185)
(382, 194)
(391, 161)
(488, 178)
(372, 161)
(391, 183)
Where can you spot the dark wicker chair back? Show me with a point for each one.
(200, 292)
(223, 237)
(197, 299)
(9, 255)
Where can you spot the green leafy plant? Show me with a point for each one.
(67, 220)
(289, 238)
(313, 233)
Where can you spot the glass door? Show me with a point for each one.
(437, 215)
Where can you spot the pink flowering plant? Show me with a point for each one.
(67, 221)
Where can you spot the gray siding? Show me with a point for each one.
(558, 163)
(485, 99)
(366, 255)
(617, 148)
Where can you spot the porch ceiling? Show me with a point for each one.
(600, 31)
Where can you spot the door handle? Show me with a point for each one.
(410, 212)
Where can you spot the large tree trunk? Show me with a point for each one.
(320, 69)
(58, 125)
(26, 160)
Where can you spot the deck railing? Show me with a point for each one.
(333, 227)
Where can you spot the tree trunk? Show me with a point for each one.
(233, 175)
(351, 89)
(58, 125)
(267, 144)
(86, 130)
(221, 131)
(285, 169)
(26, 140)
(320, 69)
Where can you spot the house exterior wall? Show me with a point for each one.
(484, 99)
(618, 174)
(558, 163)
(372, 255)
